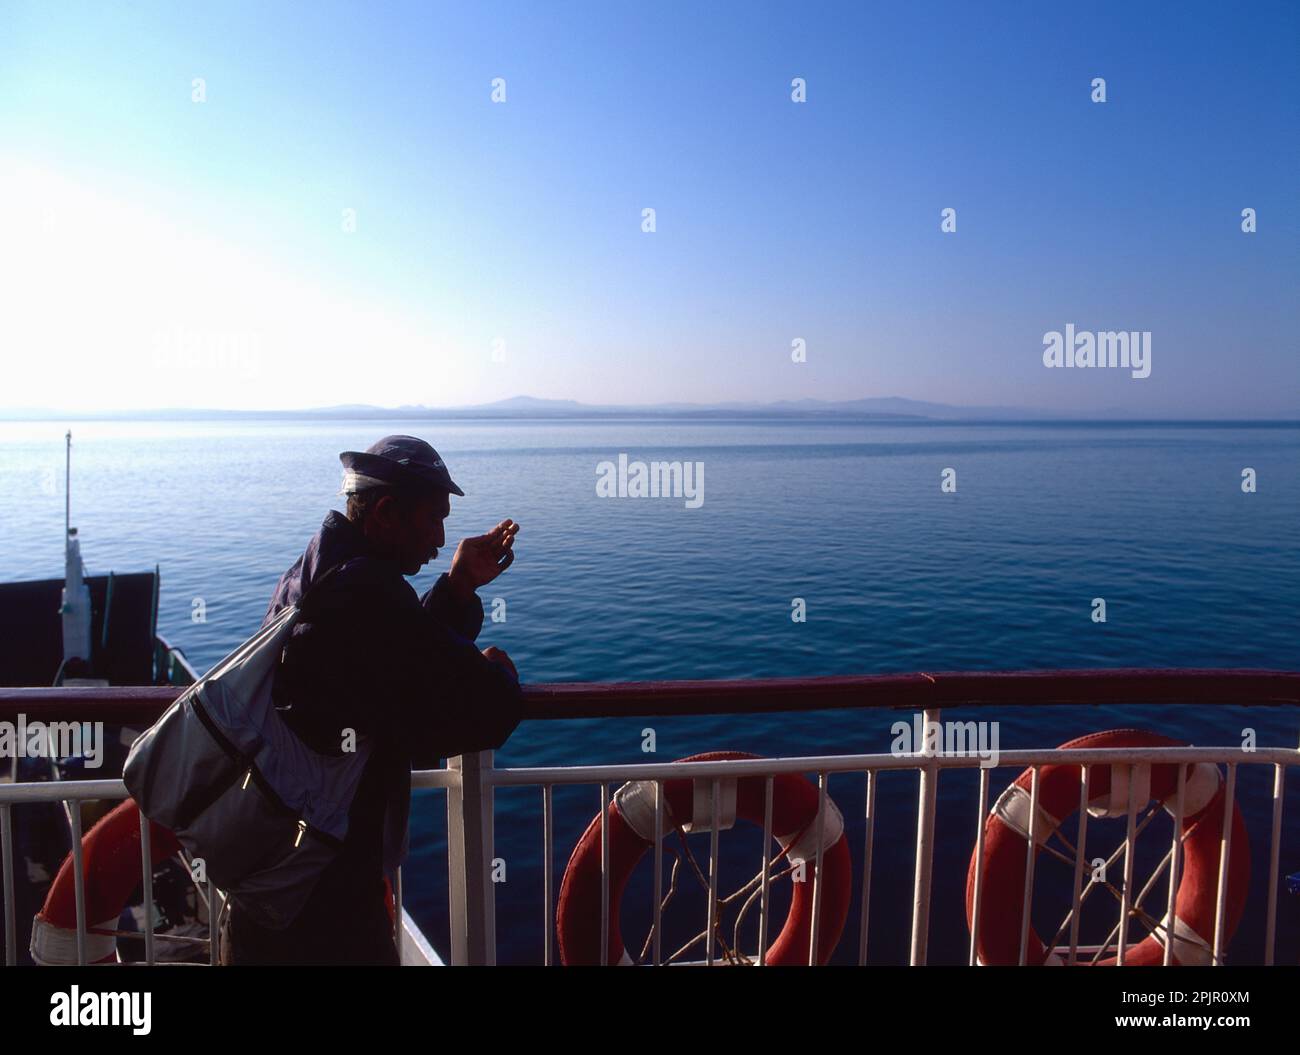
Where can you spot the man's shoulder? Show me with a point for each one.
(361, 581)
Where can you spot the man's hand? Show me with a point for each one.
(498, 656)
(481, 559)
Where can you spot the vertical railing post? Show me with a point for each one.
(817, 871)
(214, 911)
(548, 877)
(604, 874)
(146, 879)
(869, 816)
(78, 876)
(1225, 861)
(927, 799)
(1031, 856)
(398, 929)
(1275, 845)
(1126, 895)
(10, 888)
(469, 861)
(977, 895)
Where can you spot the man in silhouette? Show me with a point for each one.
(368, 657)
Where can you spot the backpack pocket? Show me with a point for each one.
(275, 894)
(258, 850)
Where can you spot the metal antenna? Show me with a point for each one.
(67, 489)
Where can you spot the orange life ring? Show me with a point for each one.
(1007, 830)
(110, 853)
(630, 822)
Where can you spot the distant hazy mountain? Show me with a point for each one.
(880, 408)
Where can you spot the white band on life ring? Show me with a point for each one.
(1117, 803)
(805, 847)
(53, 946)
(1200, 788)
(635, 802)
(1189, 947)
(702, 804)
(1012, 807)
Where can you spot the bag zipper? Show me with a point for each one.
(255, 775)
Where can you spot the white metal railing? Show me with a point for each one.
(470, 842)
(471, 780)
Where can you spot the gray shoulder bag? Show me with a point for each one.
(221, 769)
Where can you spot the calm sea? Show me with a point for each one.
(896, 575)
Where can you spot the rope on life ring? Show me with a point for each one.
(1006, 834)
(687, 806)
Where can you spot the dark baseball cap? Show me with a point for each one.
(400, 460)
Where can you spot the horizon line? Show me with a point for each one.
(524, 407)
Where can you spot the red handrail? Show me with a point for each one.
(141, 705)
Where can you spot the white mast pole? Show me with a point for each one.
(76, 594)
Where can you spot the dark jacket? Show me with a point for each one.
(367, 654)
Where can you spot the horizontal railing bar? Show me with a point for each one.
(435, 778)
(53, 790)
(48, 791)
(116, 704)
(170, 651)
(523, 776)
(913, 690)
(1089, 949)
(918, 691)
(139, 935)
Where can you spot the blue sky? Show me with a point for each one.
(163, 252)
